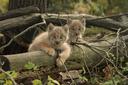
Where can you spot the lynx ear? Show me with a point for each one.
(66, 28)
(83, 20)
(50, 27)
(69, 21)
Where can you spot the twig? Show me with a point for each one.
(13, 81)
(84, 60)
(68, 73)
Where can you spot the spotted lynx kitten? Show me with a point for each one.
(55, 38)
(76, 29)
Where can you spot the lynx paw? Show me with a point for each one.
(59, 62)
(51, 52)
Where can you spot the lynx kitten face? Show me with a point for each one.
(76, 29)
(57, 35)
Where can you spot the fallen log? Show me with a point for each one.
(105, 22)
(90, 21)
(75, 61)
(79, 53)
(84, 15)
(22, 21)
(25, 21)
(82, 56)
(19, 12)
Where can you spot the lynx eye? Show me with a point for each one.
(61, 37)
(54, 37)
(73, 29)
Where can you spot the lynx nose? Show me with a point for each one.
(57, 42)
(77, 34)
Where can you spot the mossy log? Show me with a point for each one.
(80, 56)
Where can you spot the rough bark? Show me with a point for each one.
(19, 12)
(22, 21)
(76, 60)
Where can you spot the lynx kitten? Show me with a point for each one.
(55, 38)
(76, 30)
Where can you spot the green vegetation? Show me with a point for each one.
(6, 77)
(52, 81)
(95, 7)
(37, 82)
(3, 5)
(30, 66)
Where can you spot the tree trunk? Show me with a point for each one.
(15, 4)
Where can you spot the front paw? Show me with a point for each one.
(51, 52)
(79, 40)
(59, 62)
